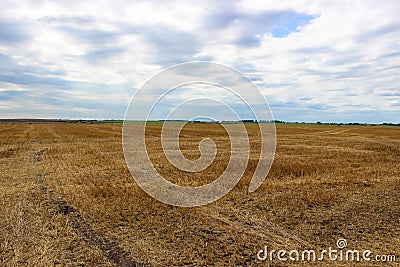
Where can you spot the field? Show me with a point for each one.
(68, 199)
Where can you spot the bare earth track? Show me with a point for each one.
(111, 250)
(67, 198)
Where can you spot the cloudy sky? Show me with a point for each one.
(312, 60)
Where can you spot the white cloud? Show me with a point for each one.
(335, 60)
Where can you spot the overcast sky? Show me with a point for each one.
(313, 60)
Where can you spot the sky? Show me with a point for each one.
(329, 61)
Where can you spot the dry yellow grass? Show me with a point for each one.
(66, 195)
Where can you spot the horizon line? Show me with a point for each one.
(195, 121)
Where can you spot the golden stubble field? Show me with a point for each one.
(68, 199)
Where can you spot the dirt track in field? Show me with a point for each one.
(111, 250)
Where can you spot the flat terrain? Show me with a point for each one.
(68, 199)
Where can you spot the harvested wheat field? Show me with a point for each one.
(68, 199)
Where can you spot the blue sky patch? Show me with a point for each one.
(290, 22)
